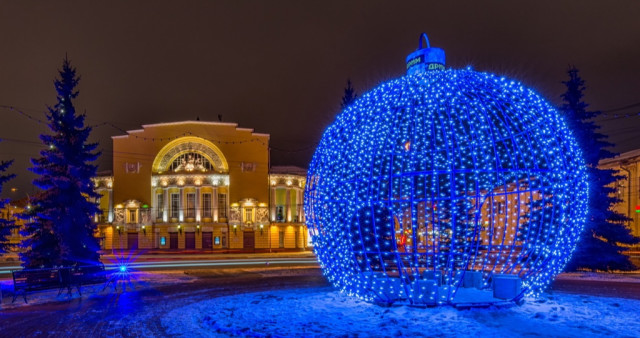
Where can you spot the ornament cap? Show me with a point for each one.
(425, 59)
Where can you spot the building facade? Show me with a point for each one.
(200, 186)
(11, 211)
(627, 166)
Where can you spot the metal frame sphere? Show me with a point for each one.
(442, 180)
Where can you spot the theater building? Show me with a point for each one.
(199, 186)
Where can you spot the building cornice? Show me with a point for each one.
(178, 123)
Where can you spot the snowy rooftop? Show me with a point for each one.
(288, 169)
(621, 158)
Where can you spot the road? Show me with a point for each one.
(598, 288)
(156, 263)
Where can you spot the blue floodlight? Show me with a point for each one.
(445, 178)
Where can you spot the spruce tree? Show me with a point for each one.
(605, 229)
(6, 224)
(349, 95)
(59, 223)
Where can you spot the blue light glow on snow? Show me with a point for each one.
(440, 174)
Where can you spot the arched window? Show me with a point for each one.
(191, 161)
(190, 154)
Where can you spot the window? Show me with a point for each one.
(191, 161)
(160, 205)
(248, 215)
(499, 208)
(132, 215)
(175, 205)
(191, 205)
(222, 205)
(281, 239)
(280, 213)
(206, 205)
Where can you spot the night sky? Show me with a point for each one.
(280, 67)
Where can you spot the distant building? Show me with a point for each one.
(198, 185)
(627, 187)
(10, 211)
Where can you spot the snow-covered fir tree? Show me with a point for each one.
(59, 223)
(6, 224)
(605, 229)
(349, 95)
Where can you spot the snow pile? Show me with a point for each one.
(320, 312)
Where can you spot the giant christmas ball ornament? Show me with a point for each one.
(446, 186)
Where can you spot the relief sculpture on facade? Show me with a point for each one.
(234, 215)
(262, 215)
(119, 215)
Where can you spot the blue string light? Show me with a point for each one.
(441, 173)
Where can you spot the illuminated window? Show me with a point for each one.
(132, 215)
(222, 205)
(206, 205)
(191, 205)
(160, 205)
(280, 213)
(175, 205)
(248, 215)
(191, 161)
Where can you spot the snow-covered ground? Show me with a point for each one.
(321, 312)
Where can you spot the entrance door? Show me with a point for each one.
(190, 240)
(207, 240)
(249, 240)
(173, 240)
(132, 240)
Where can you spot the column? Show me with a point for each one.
(110, 205)
(272, 203)
(287, 204)
(214, 204)
(299, 201)
(181, 205)
(197, 206)
(165, 212)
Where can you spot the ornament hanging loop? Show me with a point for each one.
(426, 39)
